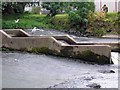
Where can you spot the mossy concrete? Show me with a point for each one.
(100, 54)
(91, 57)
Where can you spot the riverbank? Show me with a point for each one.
(97, 26)
(27, 21)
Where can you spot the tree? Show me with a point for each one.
(78, 16)
(54, 7)
(13, 7)
(77, 12)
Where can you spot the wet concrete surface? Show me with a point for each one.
(27, 70)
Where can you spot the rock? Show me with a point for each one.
(109, 30)
(89, 78)
(106, 71)
(111, 71)
(94, 85)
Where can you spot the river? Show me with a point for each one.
(28, 70)
(78, 39)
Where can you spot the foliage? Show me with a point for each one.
(118, 18)
(28, 21)
(61, 22)
(36, 10)
(13, 7)
(54, 7)
(98, 32)
(77, 12)
(78, 16)
(101, 23)
(118, 22)
(97, 16)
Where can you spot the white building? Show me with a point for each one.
(112, 5)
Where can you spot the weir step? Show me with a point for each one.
(64, 46)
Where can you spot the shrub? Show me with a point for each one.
(118, 18)
(78, 18)
(36, 10)
(117, 23)
(106, 23)
(98, 32)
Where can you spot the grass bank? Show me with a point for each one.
(28, 21)
(98, 24)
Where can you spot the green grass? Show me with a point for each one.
(113, 20)
(35, 20)
(59, 22)
(26, 21)
(111, 15)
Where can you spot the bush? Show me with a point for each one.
(117, 23)
(36, 10)
(98, 32)
(106, 23)
(78, 18)
(99, 16)
(119, 18)
(77, 22)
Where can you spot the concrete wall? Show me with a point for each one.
(113, 46)
(16, 33)
(95, 53)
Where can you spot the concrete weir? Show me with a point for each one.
(64, 46)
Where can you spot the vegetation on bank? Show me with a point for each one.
(76, 12)
(98, 23)
(29, 21)
(101, 23)
(78, 18)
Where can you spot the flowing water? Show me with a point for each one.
(42, 32)
(27, 70)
